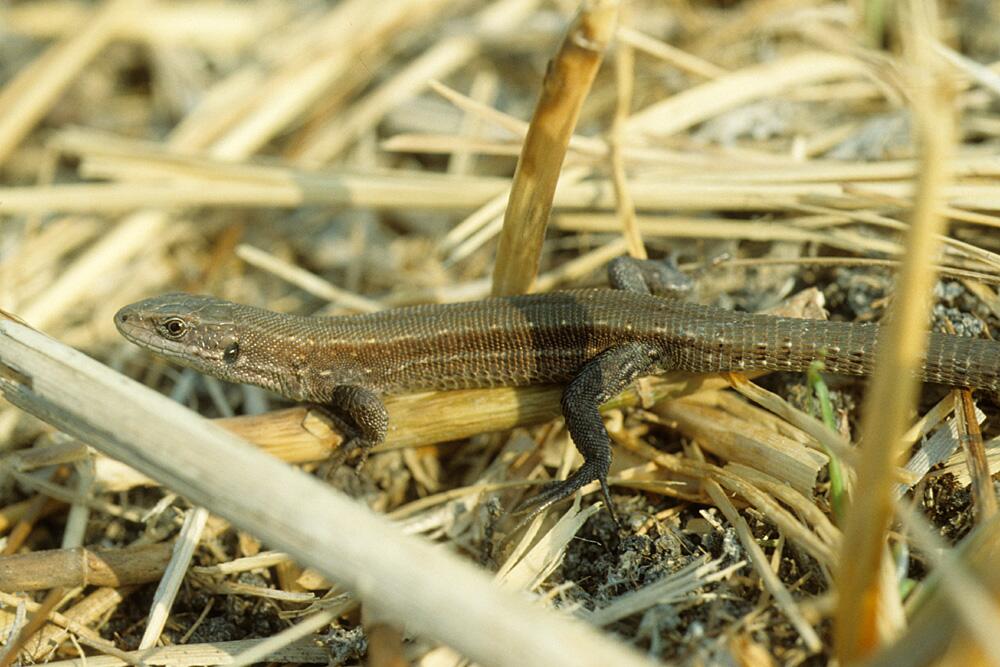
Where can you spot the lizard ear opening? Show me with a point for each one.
(231, 352)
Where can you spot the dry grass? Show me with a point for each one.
(348, 157)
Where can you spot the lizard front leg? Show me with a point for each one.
(601, 378)
(361, 411)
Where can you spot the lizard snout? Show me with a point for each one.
(122, 317)
(126, 320)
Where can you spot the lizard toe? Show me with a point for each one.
(554, 492)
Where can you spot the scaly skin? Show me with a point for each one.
(595, 341)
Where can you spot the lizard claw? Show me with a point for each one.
(353, 441)
(555, 491)
(347, 449)
(364, 448)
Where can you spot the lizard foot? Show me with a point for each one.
(358, 448)
(555, 491)
(551, 494)
(352, 442)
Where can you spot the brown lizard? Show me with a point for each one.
(594, 341)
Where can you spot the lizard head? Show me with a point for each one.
(200, 332)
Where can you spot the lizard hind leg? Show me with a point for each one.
(600, 379)
(649, 276)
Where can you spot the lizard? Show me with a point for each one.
(594, 341)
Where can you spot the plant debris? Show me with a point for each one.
(331, 158)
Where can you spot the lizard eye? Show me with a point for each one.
(174, 327)
(231, 352)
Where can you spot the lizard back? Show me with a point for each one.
(511, 341)
(547, 338)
